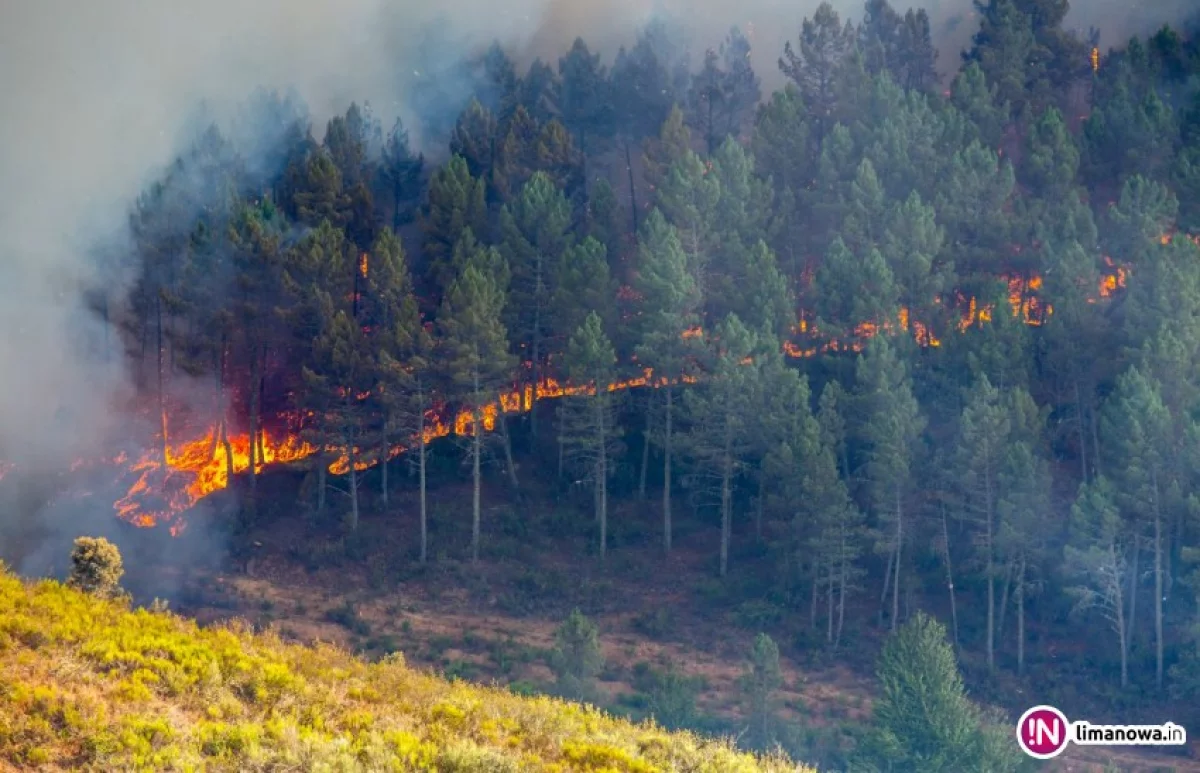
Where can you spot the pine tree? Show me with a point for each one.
(923, 719)
(1137, 432)
(983, 435)
(891, 429)
(585, 99)
(319, 194)
(456, 202)
(401, 170)
(724, 92)
(849, 291)
(475, 350)
(577, 655)
(671, 300)
(1098, 557)
(590, 420)
(406, 352)
(823, 47)
(534, 232)
(720, 416)
(476, 139)
(762, 677)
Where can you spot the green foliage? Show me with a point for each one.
(923, 720)
(577, 656)
(149, 691)
(760, 680)
(96, 567)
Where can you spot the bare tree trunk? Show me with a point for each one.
(950, 579)
(1122, 626)
(831, 580)
(352, 455)
(1133, 592)
(899, 556)
(602, 475)
(385, 449)
(255, 457)
(814, 594)
(1002, 610)
(990, 567)
(667, 475)
(887, 584)
(1020, 591)
(1158, 589)
(726, 503)
(162, 397)
(421, 467)
(476, 471)
(645, 447)
(502, 424)
(844, 571)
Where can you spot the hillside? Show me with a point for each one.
(87, 684)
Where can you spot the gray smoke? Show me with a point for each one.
(98, 95)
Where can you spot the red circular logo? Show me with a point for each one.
(1042, 732)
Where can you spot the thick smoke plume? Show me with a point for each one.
(98, 97)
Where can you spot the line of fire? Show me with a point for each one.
(203, 464)
(192, 463)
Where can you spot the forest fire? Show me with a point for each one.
(170, 481)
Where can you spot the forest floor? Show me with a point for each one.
(494, 621)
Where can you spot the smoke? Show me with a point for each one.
(98, 97)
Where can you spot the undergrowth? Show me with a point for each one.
(90, 684)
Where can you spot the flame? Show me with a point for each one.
(1095, 57)
(200, 467)
(363, 264)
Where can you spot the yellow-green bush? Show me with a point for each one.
(88, 684)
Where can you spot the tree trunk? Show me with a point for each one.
(899, 557)
(535, 373)
(667, 474)
(645, 447)
(887, 584)
(352, 457)
(1158, 588)
(990, 568)
(1002, 609)
(476, 453)
(255, 458)
(602, 476)
(950, 579)
(726, 503)
(1020, 591)
(502, 425)
(1133, 593)
(162, 397)
(830, 581)
(421, 468)
(844, 571)
(385, 450)
(1122, 626)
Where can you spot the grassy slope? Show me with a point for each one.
(89, 684)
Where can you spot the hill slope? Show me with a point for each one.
(89, 684)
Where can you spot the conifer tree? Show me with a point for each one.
(534, 232)
(814, 64)
(475, 351)
(401, 170)
(671, 301)
(760, 680)
(891, 427)
(1098, 558)
(590, 420)
(456, 201)
(585, 99)
(720, 415)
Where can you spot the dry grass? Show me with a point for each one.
(87, 684)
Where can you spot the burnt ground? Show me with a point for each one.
(494, 621)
